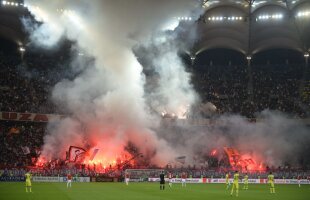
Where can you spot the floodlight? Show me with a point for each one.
(4, 2)
(22, 49)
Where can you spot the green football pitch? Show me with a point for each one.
(147, 191)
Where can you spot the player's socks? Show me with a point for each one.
(30, 189)
(26, 189)
(163, 187)
(237, 193)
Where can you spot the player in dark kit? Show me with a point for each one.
(162, 180)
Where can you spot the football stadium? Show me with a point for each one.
(155, 99)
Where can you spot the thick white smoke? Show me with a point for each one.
(107, 101)
(273, 140)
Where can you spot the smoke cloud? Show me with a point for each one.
(107, 101)
(111, 103)
(274, 140)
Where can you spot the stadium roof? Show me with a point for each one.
(251, 26)
(10, 23)
(247, 26)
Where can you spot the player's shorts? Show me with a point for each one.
(236, 185)
(162, 181)
(271, 184)
(69, 181)
(28, 183)
(183, 180)
(127, 180)
(170, 180)
(246, 182)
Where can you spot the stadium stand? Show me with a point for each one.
(26, 84)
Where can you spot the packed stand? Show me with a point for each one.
(230, 89)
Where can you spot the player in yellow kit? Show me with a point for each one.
(28, 177)
(227, 176)
(271, 182)
(235, 185)
(246, 182)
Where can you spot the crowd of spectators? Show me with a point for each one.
(26, 85)
(20, 143)
(236, 89)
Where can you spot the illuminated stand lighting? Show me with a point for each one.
(193, 59)
(22, 51)
(303, 14)
(8, 3)
(249, 58)
(184, 18)
(221, 18)
(269, 17)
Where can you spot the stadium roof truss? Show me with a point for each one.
(251, 26)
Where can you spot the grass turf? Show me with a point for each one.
(148, 191)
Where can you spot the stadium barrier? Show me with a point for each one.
(222, 180)
(12, 178)
(179, 180)
(102, 179)
(57, 179)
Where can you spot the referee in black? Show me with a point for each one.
(162, 180)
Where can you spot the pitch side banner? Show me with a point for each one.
(47, 179)
(179, 180)
(12, 178)
(223, 181)
(56, 179)
(78, 179)
(290, 181)
(30, 117)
